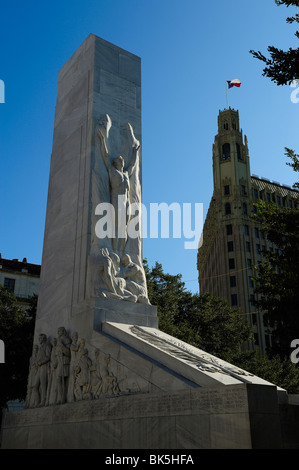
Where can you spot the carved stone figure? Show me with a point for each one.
(63, 360)
(110, 383)
(31, 399)
(119, 173)
(115, 284)
(52, 375)
(135, 279)
(74, 348)
(41, 379)
(96, 380)
(82, 387)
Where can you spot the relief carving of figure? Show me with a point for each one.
(110, 383)
(119, 173)
(74, 348)
(82, 388)
(41, 379)
(96, 380)
(135, 279)
(63, 360)
(115, 284)
(52, 375)
(31, 399)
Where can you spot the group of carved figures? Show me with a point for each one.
(122, 279)
(61, 371)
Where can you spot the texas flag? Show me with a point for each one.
(235, 82)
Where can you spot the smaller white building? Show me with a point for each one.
(20, 278)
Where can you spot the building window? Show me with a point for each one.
(268, 197)
(226, 190)
(232, 281)
(255, 193)
(246, 230)
(228, 210)
(229, 229)
(290, 204)
(234, 300)
(225, 125)
(231, 263)
(243, 190)
(248, 263)
(225, 151)
(258, 248)
(9, 284)
(244, 208)
(250, 281)
(278, 200)
(230, 246)
(256, 232)
(248, 247)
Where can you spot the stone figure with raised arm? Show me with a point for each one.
(119, 178)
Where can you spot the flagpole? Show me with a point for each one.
(226, 96)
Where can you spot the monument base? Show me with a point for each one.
(244, 416)
(149, 390)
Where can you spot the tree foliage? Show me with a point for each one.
(277, 277)
(16, 330)
(282, 66)
(204, 321)
(295, 163)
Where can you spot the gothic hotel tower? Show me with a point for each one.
(232, 240)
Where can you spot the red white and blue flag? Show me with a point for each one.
(236, 82)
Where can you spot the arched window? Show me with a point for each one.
(228, 209)
(225, 126)
(225, 151)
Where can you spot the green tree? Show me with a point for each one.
(282, 66)
(281, 372)
(16, 330)
(204, 321)
(277, 277)
(295, 163)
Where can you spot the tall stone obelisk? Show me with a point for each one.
(86, 274)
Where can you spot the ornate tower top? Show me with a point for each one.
(228, 119)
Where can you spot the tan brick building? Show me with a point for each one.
(232, 241)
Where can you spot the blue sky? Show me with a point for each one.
(188, 50)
